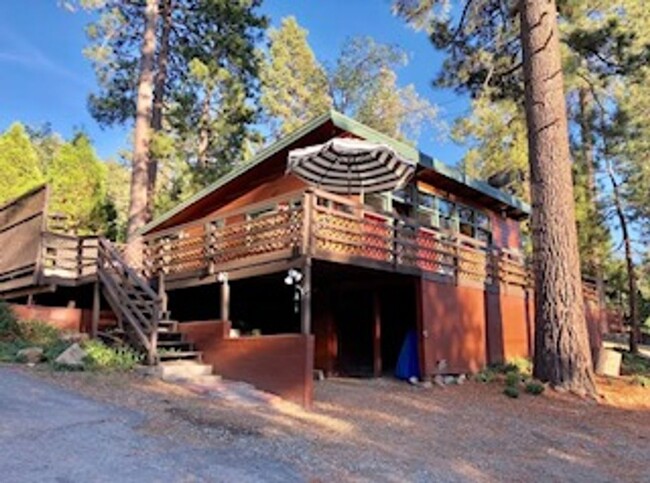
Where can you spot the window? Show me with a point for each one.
(427, 209)
(474, 223)
(447, 215)
(379, 201)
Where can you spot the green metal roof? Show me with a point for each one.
(358, 129)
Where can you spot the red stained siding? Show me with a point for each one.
(505, 232)
(453, 327)
(280, 364)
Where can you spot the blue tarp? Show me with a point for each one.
(407, 364)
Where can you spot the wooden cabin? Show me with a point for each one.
(272, 278)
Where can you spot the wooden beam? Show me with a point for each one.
(96, 309)
(225, 297)
(305, 299)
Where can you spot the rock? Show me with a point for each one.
(73, 337)
(461, 379)
(73, 356)
(30, 355)
(439, 381)
(427, 385)
(450, 380)
(413, 380)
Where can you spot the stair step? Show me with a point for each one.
(175, 370)
(173, 355)
(168, 336)
(175, 344)
(168, 324)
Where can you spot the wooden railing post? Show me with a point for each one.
(307, 220)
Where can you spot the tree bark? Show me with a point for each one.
(562, 355)
(595, 262)
(633, 306)
(142, 136)
(159, 92)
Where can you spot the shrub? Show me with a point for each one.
(101, 357)
(38, 333)
(534, 387)
(9, 326)
(519, 365)
(513, 378)
(635, 364)
(639, 380)
(486, 375)
(511, 391)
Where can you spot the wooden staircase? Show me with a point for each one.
(140, 310)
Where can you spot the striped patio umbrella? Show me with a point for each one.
(351, 166)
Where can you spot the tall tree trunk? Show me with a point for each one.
(585, 103)
(633, 305)
(160, 84)
(142, 136)
(586, 132)
(562, 355)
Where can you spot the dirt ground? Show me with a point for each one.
(385, 430)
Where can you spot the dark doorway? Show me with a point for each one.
(353, 314)
(398, 316)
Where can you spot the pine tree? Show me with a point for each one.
(294, 84)
(19, 163)
(77, 180)
(363, 85)
(487, 45)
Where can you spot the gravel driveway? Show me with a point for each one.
(50, 434)
(359, 430)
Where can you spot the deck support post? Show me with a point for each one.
(162, 293)
(376, 334)
(305, 299)
(94, 328)
(225, 296)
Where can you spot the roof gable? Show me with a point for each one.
(340, 123)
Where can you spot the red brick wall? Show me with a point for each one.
(280, 364)
(63, 318)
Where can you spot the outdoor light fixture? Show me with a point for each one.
(294, 277)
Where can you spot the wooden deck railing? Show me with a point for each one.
(323, 225)
(132, 299)
(68, 257)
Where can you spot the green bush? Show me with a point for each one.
(511, 391)
(39, 334)
(635, 364)
(638, 380)
(486, 375)
(9, 326)
(101, 357)
(534, 387)
(513, 378)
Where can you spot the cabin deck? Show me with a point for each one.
(281, 233)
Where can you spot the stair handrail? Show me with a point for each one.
(130, 296)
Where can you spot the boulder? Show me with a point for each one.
(30, 355)
(73, 356)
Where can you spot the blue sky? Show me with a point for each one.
(44, 76)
